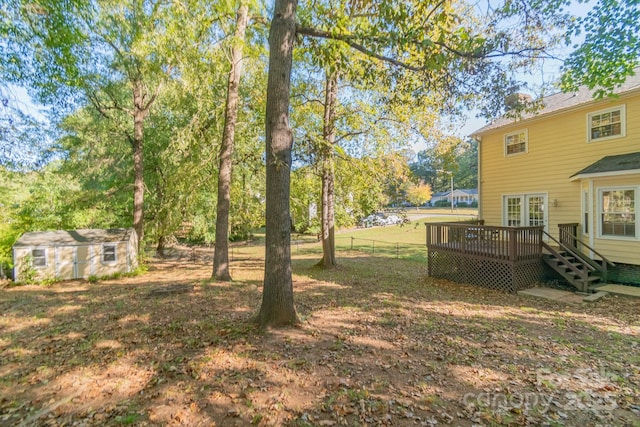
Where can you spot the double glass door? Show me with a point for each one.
(524, 210)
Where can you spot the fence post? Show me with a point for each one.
(351, 242)
(373, 246)
(397, 250)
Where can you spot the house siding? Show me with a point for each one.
(557, 149)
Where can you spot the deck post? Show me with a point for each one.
(428, 234)
(513, 245)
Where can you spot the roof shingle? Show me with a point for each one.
(73, 237)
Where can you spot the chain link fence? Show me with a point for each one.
(203, 254)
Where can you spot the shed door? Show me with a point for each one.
(83, 262)
(65, 262)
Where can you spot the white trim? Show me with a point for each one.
(585, 210)
(526, 142)
(15, 265)
(623, 123)
(126, 247)
(115, 253)
(524, 217)
(46, 257)
(592, 219)
(75, 262)
(56, 260)
(636, 191)
(605, 174)
(92, 262)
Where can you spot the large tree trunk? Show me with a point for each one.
(139, 113)
(221, 254)
(277, 307)
(328, 172)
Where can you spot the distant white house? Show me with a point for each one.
(460, 195)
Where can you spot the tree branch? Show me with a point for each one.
(314, 32)
(350, 40)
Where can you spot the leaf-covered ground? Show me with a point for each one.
(379, 344)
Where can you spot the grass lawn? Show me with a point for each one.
(379, 344)
(394, 241)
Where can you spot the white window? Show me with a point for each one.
(618, 212)
(606, 124)
(515, 142)
(109, 253)
(39, 257)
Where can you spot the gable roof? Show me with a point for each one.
(74, 237)
(561, 101)
(611, 165)
(463, 190)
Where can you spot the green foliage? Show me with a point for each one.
(48, 281)
(305, 200)
(142, 268)
(423, 48)
(610, 50)
(445, 156)
(26, 273)
(442, 203)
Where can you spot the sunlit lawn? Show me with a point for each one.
(395, 241)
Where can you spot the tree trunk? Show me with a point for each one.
(139, 112)
(277, 307)
(221, 254)
(162, 245)
(328, 172)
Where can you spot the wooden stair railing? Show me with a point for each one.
(574, 268)
(567, 236)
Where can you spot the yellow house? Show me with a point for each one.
(575, 162)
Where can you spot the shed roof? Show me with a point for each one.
(611, 165)
(74, 237)
(561, 101)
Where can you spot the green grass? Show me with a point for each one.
(393, 241)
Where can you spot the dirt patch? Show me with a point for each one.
(379, 344)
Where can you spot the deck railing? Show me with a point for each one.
(505, 243)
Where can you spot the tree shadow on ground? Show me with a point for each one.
(379, 344)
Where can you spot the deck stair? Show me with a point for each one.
(577, 272)
(578, 269)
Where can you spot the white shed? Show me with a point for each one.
(75, 254)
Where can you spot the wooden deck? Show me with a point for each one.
(505, 258)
